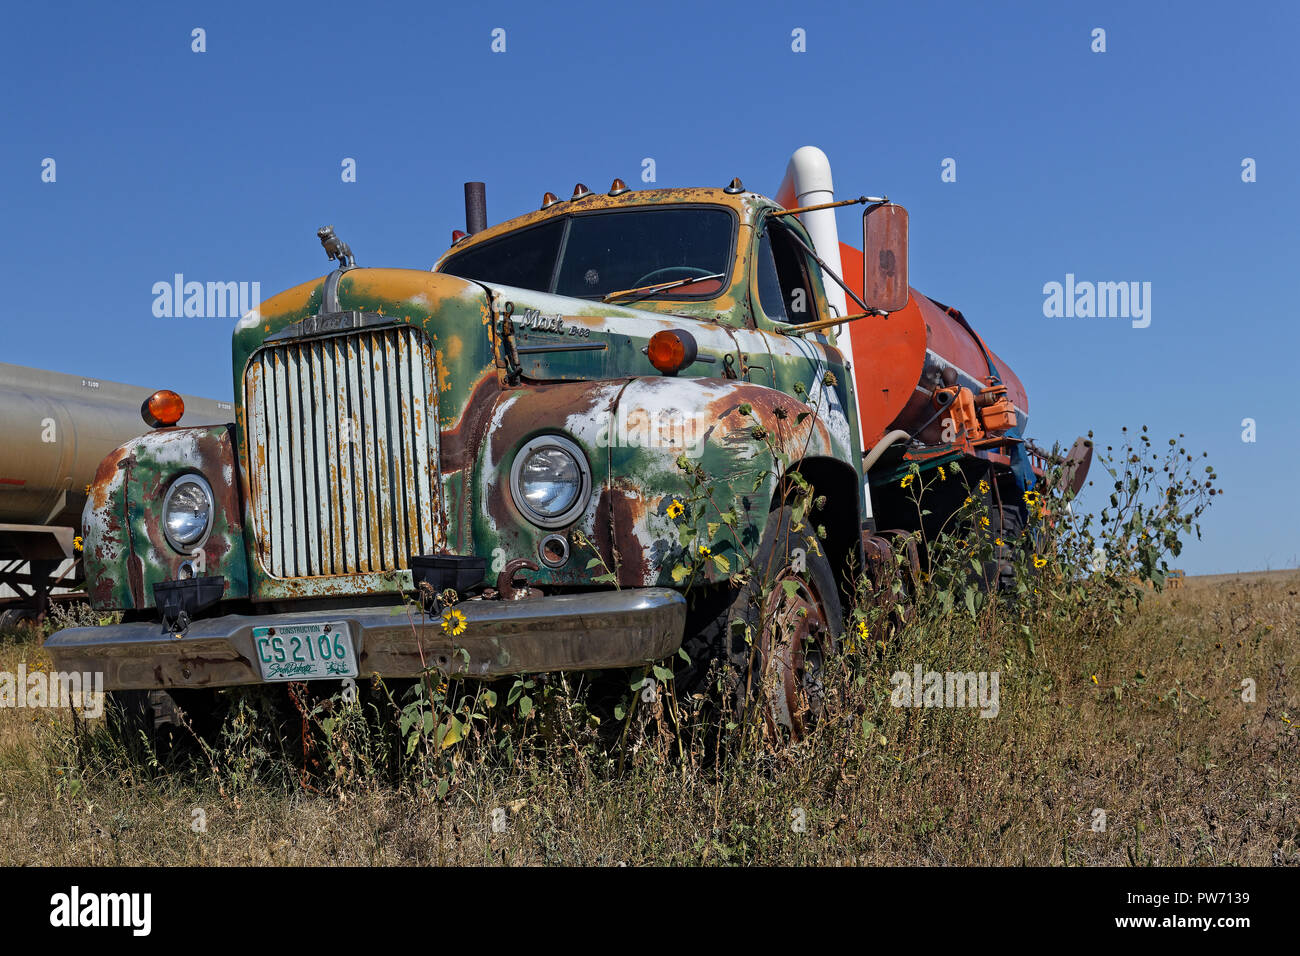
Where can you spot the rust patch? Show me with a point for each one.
(104, 477)
(459, 445)
(444, 377)
(135, 579)
(628, 510)
(774, 411)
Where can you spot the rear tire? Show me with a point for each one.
(1007, 524)
(17, 618)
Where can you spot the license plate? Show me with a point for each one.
(305, 651)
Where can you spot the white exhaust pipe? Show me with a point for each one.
(808, 182)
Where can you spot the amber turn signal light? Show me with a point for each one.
(162, 409)
(671, 350)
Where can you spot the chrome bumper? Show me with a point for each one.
(607, 629)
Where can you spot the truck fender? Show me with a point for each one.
(125, 549)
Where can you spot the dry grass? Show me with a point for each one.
(1186, 772)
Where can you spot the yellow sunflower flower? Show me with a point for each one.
(453, 622)
(675, 509)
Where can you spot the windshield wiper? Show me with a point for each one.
(645, 290)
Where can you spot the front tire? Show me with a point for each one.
(774, 634)
(167, 720)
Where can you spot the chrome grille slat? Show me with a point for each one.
(283, 527)
(397, 453)
(304, 470)
(343, 444)
(356, 453)
(408, 454)
(368, 449)
(383, 450)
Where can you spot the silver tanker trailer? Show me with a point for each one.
(55, 429)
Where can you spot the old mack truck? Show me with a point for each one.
(517, 433)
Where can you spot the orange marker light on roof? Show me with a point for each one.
(162, 409)
(671, 350)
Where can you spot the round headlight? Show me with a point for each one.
(187, 513)
(550, 481)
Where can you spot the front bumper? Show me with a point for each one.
(606, 629)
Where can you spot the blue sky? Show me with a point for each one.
(1115, 166)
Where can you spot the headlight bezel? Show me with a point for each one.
(181, 481)
(580, 501)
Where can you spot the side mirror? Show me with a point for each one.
(884, 257)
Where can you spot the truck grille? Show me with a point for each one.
(343, 443)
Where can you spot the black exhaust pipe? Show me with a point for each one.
(475, 207)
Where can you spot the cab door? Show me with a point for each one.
(787, 290)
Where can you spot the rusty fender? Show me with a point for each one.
(607, 629)
(126, 552)
(636, 434)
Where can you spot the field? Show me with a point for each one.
(1132, 748)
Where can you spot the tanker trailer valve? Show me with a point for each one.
(963, 417)
(996, 410)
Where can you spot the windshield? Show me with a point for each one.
(594, 254)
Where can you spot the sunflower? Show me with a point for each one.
(454, 623)
(675, 509)
(1040, 562)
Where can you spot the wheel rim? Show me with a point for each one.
(791, 648)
